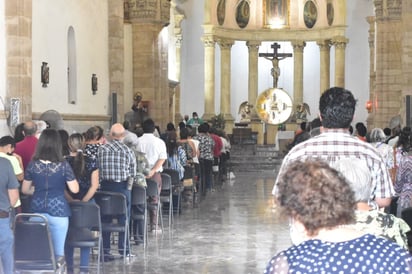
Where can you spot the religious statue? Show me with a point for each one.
(302, 110)
(138, 113)
(275, 57)
(245, 111)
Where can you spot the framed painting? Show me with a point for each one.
(276, 13)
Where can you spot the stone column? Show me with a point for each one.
(18, 25)
(324, 47)
(116, 54)
(209, 44)
(253, 47)
(372, 76)
(179, 37)
(150, 77)
(340, 45)
(298, 47)
(225, 69)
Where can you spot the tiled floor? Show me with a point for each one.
(234, 230)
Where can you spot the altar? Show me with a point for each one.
(283, 138)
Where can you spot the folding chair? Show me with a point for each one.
(84, 221)
(139, 204)
(176, 186)
(166, 195)
(152, 191)
(113, 205)
(33, 245)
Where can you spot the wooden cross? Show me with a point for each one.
(275, 57)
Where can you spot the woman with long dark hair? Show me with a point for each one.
(46, 178)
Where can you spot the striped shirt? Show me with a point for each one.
(335, 144)
(117, 162)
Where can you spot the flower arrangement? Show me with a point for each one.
(218, 121)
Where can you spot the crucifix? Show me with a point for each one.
(275, 57)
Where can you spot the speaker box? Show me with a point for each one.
(114, 108)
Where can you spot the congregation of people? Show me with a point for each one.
(342, 189)
(44, 170)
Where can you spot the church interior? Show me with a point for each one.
(85, 68)
(76, 64)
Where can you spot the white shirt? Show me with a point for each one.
(153, 147)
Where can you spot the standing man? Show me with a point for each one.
(9, 195)
(156, 154)
(27, 147)
(117, 163)
(337, 107)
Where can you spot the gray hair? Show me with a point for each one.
(377, 135)
(358, 175)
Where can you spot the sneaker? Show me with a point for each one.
(157, 229)
(108, 257)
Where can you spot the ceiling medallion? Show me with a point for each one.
(221, 12)
(330, 13)
(242, 13)
(310, 14)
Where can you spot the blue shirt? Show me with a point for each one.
(366, 254)
(49, 181)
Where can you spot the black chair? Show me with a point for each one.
(189, 185)
(152, 192)
(177, 187)
(406, 215)
(33, 245)
(85, 228)
(166, 195)
(139, 212)
(113, 205)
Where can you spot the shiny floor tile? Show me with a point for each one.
(233, 230)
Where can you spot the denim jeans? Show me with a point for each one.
(84, 257)
(6, 246)
(58, 230)
(206, 174)
(84, 253)
(120, 188)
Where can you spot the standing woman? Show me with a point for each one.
(403, 182)
(94, 138)
(87, 174)
(46, 178)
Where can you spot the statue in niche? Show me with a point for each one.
(302, 111)
(245, 110)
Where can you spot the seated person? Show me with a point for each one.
(368, 218)
(320, 206)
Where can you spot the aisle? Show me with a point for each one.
(232, 231)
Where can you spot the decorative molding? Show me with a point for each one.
(225, 43)
(77, 117)
(208, 41)
(324, 45)
(298, 45)
(340, 42)
(253, 45)
(388, 9)
(147, 11)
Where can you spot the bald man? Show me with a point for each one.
(117, 163)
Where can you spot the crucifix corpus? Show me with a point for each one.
(275, 57)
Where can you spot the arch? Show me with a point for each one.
(71, 66)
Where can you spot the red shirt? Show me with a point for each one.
(26, 149)
(217, 149)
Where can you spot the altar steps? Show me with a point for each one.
(249, 157)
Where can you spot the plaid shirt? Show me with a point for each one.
(335, 144)
(117, 162)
